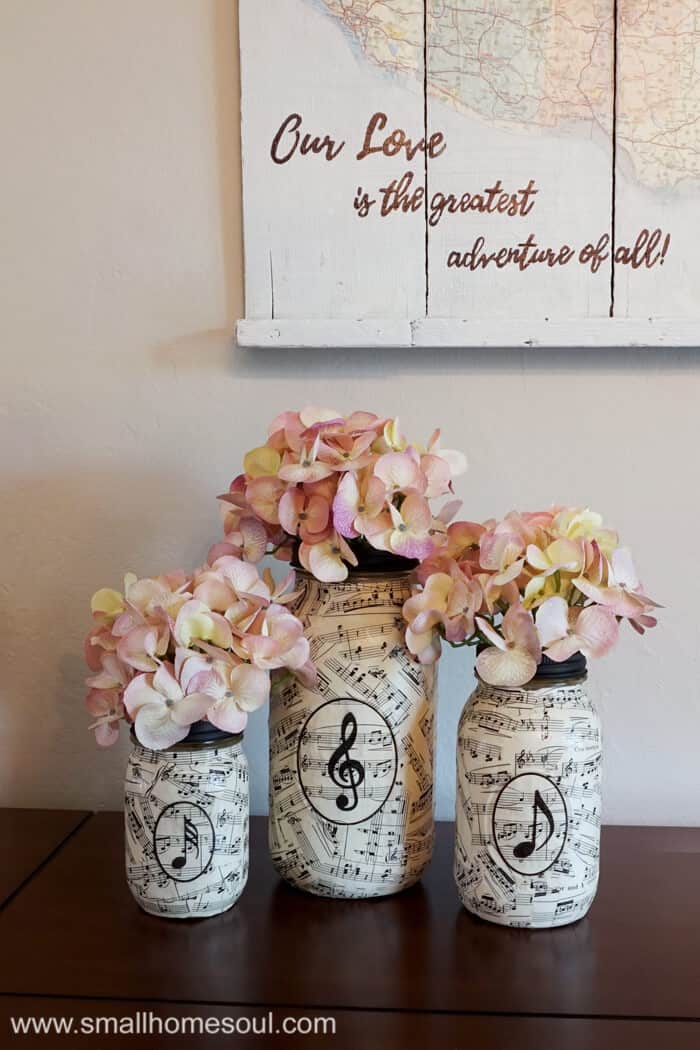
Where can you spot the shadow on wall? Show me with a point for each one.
(368, 364)
(45, 615)
(216, 352)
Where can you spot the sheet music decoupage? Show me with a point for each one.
(528, 805)
(351, 763)
(186, 821)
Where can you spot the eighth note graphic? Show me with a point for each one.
(529, 823)
(190, 838)
(527, 848)
(344, 771)
(183, 841)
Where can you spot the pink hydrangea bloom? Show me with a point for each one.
(553, 582)
(176, 650)
(324, 479)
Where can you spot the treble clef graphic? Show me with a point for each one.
(347, 773)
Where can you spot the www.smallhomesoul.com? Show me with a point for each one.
(145, 1022)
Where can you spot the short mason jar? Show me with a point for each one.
(528, 805)
(186, 813)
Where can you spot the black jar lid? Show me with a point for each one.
(203, 732)
(574, 667)
(370, 562)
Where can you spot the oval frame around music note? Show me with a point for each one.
(179, 811)
(386, 754)
(539, 784)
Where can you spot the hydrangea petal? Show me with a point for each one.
(291, 506)
(326, 563)
(508, 668)
(345, 505)
(552, 620)
(313, 414)
(155, 728)
(563, 649)
(107, 601)
(399, 472)
(227, 716)
(491, 633)
(262, 462)
(166, 683)
(190, 709)
(140, 692)
(250, 687)
(106, 734)
(597, 630)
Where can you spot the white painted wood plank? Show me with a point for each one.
(523, 91)
(658, 156)
(314, 333)
(455, 333)
(307, 252)
(592, 333)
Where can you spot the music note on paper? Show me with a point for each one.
(528, 846)
(530, 823)
(190, 839)
(184, 841)
(358, 763)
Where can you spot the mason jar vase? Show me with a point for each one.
(186, 823)
(351, 761)
(528, 803)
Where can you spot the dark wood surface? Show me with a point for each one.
(75, 931)
(27, 838)
(354, 1029)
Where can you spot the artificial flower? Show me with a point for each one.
(142, 646)
(400, 472)
(113, 673)
(161, 712)
(175, 650)
(107, 602)
(423, 613)
(234, 689)
(107, 709)
(565, 630)
(308, 467)
(515, 650)
(323, 479)
(302, 514)
(246, 689)
(358, 503)
(328, 559)
(262, 462)
(281, 642)
(196, 622)
(410, 534)
(563, 564)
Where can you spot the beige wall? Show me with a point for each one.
(125, 407)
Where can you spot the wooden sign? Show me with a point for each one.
(428, 173)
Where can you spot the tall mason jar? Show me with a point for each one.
(186, 823)
(528, 805)
(351, 761)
